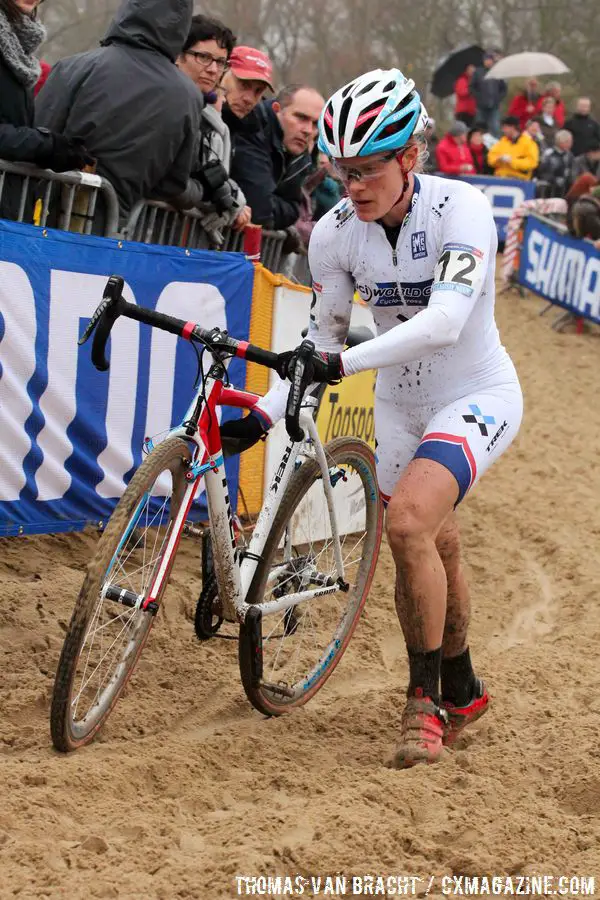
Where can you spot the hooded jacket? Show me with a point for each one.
(137, 113)
(270, 177)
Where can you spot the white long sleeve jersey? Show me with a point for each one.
(432, 297)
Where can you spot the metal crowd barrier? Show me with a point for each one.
(156, 222)
(69, 201)
(74, 207)
(271, 249)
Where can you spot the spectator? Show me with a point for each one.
(553, 89)
(476, 144)
(588, 162)
(245, 83)
(524, 105)
(328, 192)
(139, 115)
(453, 153)
(585, 129)
(556, 165)
(465, 106)
(271, 164)
(489, 94)
(547, 120)
(516, 154)
(534, 130)
(204, 59)
(20, 36)
(431, 140)
(580, 213)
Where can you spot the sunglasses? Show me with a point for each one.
(205, 59)
(368, 172)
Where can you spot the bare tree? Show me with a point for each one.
(327, 42)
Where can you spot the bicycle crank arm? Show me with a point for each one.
(253, 623)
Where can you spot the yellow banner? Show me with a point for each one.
(347, 409)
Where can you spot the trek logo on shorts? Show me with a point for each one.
(477, 418)
(390, 293)
(418, 245)
(496, 437)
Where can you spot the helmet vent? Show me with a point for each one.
(396, 127)
(366, 120)
(404, 102)
(344, 113)
(366, 89)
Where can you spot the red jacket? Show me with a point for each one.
(451, 157)
(465, 102)
(559, 111)
(479, 155)
(46, 69)
(524, 107)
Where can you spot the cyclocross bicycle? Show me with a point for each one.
(296, 589)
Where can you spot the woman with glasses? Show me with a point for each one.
(421, 251)
(205, 59)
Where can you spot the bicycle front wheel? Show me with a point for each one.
(302, 644)
(110, 625)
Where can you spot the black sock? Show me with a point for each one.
(458, 679)
(424, 674)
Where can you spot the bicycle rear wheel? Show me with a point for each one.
(109, 626)
(302, 645)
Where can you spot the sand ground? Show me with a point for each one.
(187, 786)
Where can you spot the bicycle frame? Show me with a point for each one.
(234, 576)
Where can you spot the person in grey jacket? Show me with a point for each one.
(204, 59)
(137, 113)
(489, 94)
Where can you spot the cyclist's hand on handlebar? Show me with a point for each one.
(238, 435)
(319, 367)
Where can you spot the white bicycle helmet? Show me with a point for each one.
(378, 111)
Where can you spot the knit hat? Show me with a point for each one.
(458, 129)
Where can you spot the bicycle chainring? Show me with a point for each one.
(208, 619)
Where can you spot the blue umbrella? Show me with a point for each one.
(452, 66)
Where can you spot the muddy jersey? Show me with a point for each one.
(431, 295)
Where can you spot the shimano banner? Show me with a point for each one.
(560, 268)
(72, 436)
(504, 196)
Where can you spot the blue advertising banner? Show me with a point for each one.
(504, 196)
(564, 270)
(72, 436)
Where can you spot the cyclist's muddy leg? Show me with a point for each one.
(458, 601)
(421, 502)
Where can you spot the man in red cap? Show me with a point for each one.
(249, 75)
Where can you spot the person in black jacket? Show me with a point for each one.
(272, 163)
(139, 115)
(20, 36)
(489, 94)
(556, 166)
(584, 128)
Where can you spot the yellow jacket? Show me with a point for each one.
(524, 157)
